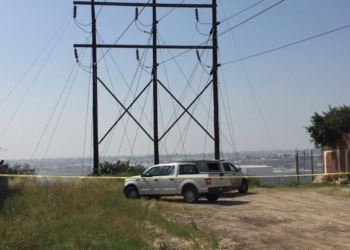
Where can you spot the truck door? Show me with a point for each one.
(231, 170)
(150, 183)
(168, 182)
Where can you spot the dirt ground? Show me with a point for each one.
(276, 219)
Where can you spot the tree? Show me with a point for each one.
(330, 126)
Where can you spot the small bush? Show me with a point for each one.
(254, 182)
(120, 168)
(22, 170)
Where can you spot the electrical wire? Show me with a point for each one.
(188, 85)
(78, 24)
(130, 91)
(230, 125)
(287, 45)
(226, 18)
(145, 25)
(258, 14)
(123, 32)
(53, 112)
(196, 46)
(37, 58)
(32, 84)
(170, 11)
(250, 85)
(200, 31)
(86, 121)
(59, 118)
(143, 31)
(169, 87)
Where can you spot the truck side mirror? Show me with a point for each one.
(143, 175)
(239, 169)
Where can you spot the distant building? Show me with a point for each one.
(336, 156)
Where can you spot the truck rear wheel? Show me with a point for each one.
(212, 197)
(190, 195)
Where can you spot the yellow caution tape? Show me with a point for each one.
(167, 177)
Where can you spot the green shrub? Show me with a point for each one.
(120, 168)
(254, 182)
(22, 170)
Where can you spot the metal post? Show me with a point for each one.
(215, 85)
(155, 90)
(312, 166)
(94, 90)
(297, 166)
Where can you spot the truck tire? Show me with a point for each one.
(212, 197)
(132, 193)
(244, 187)
(190, 195)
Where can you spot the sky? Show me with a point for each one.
(265, 102)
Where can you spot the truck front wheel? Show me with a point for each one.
(244, 187)
(190, 195)
(132, 193)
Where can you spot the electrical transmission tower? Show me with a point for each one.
(155, 81)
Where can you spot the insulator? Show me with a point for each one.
(211, 72)
(76, 54)
(137, 55)
(211, 31)
(197, 17)
(136, 13)
(75, 11)
(199, 58)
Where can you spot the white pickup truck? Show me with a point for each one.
(176, 179)
(237, 180)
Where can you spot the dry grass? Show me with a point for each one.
(88, 214)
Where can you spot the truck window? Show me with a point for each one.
(188, 169)
(227, 167)
(168, 170)
(213, 167)
(233, 167)
(152, 172)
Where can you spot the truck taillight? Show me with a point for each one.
(207, 181)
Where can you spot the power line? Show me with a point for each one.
(31, 66)
(284, 46)
(123, 32)
(226, 18)
(36, 77)
(251, 87)
(261, 12)
(196, 46)
(170, 11)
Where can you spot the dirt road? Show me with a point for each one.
(278, 219)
